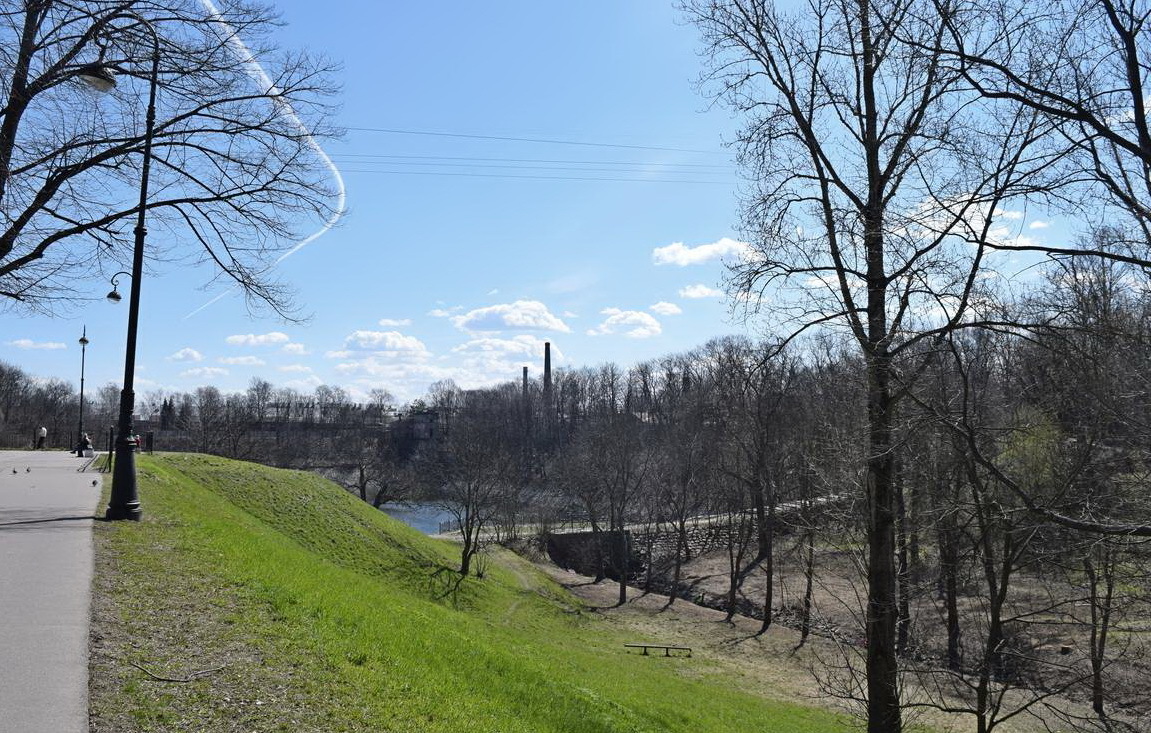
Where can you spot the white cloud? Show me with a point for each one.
(305, 384)
(1009, 215)
(487, 360)
(663, 308)
(340, 354)
(494, 291)
(186, 354)
(242, 361)
(380, 371)
(386, 341)
(680, 254)
(520, 315)
(476, 363)
(298, 349)
(633, 324)
(699, 291)
(263, 339)
(203, 373)
(529, 347)
(394, 322)
(1006, 237)
(1038, 225)
(296, 369)
(30, 344)
(442, 312)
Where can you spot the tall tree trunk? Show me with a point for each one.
(760, 500)
(882, 615)
(915, 556)
(732, 575)
(378, 499)
(649, 550)
(597, 536)
(1100, 624)
(767, 551)
(624, 549)
(808, 584)
(467, 551)
(903, 571)
(883, 710)
(949, 582)
(681, 551)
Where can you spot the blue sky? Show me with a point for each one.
(516, 172)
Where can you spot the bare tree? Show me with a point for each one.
(474, 466)
(674, 400)
(1083, 66)
(237, 172)
(618, 455)
(751, 385)
(874, 192)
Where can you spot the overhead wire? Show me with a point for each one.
(509, 167)
(545, 178)
(545, 141)
(376, 156)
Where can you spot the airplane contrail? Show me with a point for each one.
(256, 71)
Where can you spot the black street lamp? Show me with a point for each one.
(125, 501)
(83, 356)
(113, 295)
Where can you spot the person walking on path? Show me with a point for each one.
(41, 438)
(46, 511)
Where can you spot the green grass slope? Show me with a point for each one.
(254, 599)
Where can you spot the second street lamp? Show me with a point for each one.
(83, 356)
(125, 501)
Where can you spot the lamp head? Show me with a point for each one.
(97, 76)
(114, 296)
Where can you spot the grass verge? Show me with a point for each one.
(252, 599)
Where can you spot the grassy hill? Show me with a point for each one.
(255, 599)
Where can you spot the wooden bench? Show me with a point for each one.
(667, 648)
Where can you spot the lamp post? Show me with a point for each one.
(125, 502)
(83, 357)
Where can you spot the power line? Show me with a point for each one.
(400, 158)
(544, 141)
(542, 178)
(586, 168)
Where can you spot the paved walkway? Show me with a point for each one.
(46, 510)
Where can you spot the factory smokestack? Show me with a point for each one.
(547, 369)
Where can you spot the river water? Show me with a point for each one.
(424, 517)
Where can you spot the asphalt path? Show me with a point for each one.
(46, 514)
